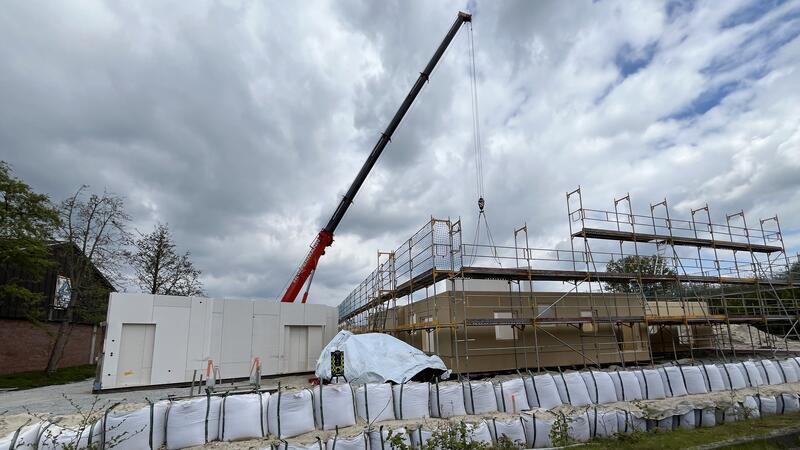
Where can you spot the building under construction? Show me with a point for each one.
(630, 289)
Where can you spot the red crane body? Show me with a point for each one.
(325, 237)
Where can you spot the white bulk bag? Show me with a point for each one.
(542, 391)
(733, 376)
(602, 423)
(357, 442)
(578, 428)
(411, 400)
(298, 446)
(726, 415)
(789, 368)
(628, 423)
(23, 438)
(131, 430)
(374, 402)
(789, 403)
(537, 430)
(511, 429)
(651, 385)
(241, 417)
(380, 439)
(695, 382)
(7, 441)
(713, 377)
(447, 400)
(673, 381)
(54, 437)
(600, 387)
(479, 397)
(290, 413)
(750, 408)
(572, 389)
(687, 420)
(626, 386)
(705, 418)
(193, 422)
(479, 433)
(666, 424)
(767, 404)
(752, 375)
(333, 406)
(511, 396)
(773, 373)
(419, 437)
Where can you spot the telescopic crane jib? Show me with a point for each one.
(325, 237)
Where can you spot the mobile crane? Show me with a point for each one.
(305, 273)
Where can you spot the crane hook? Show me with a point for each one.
(481, 204)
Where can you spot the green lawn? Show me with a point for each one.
(27, 380)
(700, 436)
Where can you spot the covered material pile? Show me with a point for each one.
(377, 358)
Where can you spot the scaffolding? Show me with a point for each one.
(629, 289)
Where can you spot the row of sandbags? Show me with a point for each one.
(534, 429)
(602, 387)
(285, 414)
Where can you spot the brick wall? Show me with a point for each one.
(26, 346)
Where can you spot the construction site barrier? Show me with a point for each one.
(357, 442)
(542, 391)
(290, 413)
(572, 389)
(626, 386)
(511, 395)
(193, 422)
(510, 429)
(600, 386)
(333, 406)
(479, 397)
(286, 414)
(380, 438)
(447, 400)
(243, 416)
(374, 402)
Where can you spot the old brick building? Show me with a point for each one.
(28, 331)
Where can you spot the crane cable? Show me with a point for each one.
(478, 150)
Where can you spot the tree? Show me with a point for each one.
(641, 265)
(159, 269)
(27, 222)
(96, 226)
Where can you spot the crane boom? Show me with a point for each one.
(325, 237)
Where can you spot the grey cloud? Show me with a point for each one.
(242, 124)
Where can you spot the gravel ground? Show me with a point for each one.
(51, 399)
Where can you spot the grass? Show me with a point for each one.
(701, 436)
(28, 380)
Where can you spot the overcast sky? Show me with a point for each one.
(242, 123)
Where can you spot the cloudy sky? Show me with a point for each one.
(242, 123)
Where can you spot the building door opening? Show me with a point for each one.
(135, 363)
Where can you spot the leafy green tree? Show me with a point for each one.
(27, 223)
(641, 265)
(159, 268)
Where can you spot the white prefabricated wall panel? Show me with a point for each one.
(191, 330)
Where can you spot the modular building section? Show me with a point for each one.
(571, 329)
(160, 339)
